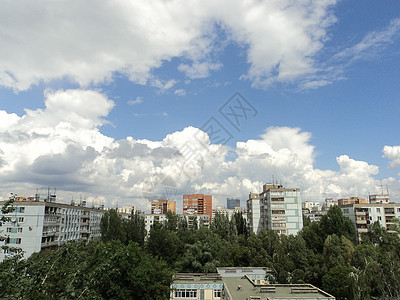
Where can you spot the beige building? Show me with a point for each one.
(162, 206)
(364, 214)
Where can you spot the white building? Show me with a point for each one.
(36, 225)
(364, 214)
(150, 219)
(229, 212)
(279, 209)
(253, 212)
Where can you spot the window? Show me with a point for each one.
(21, 219)
(217, 293)
(8, 229)
(379, 218)
(188, 293)
(21, 209)
(378, 210)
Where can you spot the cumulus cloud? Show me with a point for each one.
(133, 38)
(62, 146)
(392, 153)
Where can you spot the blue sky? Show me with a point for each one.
(101, 102)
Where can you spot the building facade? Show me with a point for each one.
(362, 215)
(240, 283)
(279, 209)
(36, 225)
(198, 204)
(253, 212)
(162, 206)
(232, 203)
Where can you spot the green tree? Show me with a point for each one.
(334, 222)
(111, 227)
(6, 209)
(171, 222)
(338, 282)
(164, 243)
(135, 229)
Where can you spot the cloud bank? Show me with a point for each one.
(62, 146)
(47, 40)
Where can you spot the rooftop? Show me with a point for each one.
(241, 288)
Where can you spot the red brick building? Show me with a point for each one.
(197, 204)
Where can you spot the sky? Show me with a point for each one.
(124, 102)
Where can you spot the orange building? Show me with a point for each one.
(162, 206)
(352, 200)
(197, 204)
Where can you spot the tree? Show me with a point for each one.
(5, 210)
(111, 227)
(171, 222)
(197, 258)
(338, 282)
(164, 243)
(334, 222)
(135, 229)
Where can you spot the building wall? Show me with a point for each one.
(162, 206)
(280, 209)
(38, 225)
(197, 204)
(29, 229)
(232, 203)
(253, 213)
(362, 215)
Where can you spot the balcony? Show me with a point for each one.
(361, 213)
(361, 221)
(50, 244)
(50, 233)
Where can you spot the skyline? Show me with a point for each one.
(109, 102)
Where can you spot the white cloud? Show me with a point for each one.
(180, 92)
(373, 43)
(138, 100)
(62, 146)
(199, 69)
(392, 153)
(86, 45)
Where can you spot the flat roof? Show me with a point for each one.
(242, 289)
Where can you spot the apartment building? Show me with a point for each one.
(162, 206)
(37, 225)
(229, 212)
(351, 200)
(240, 283)
(150, 219)
(198, 204)
(279, 209)
(253, 212)
(364, 214)
(232, 203)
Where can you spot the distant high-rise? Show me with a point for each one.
(197, 204)
(162, 206)
(232, 203)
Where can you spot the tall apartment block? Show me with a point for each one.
(37, 225)
(253, 212)
(363, 214)
(198, 204)
(162, 206)
(232, 203)
(279, 210)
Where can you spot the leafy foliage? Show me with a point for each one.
(128, 263)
